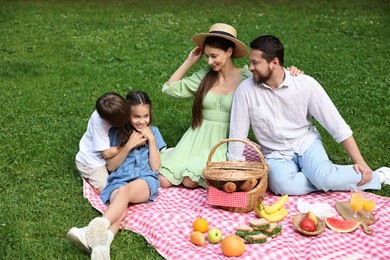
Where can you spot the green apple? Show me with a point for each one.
(214, 235)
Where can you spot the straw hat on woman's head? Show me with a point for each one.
(225, 31)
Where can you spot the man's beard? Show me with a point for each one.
(260, 79)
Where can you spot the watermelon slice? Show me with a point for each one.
(341, 225)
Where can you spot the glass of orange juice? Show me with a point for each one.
(356, 201)
(368, 204)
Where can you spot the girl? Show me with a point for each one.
(133, 178)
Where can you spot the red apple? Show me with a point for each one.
(307, 224)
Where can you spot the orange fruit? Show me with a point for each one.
(232, 245)
(201, 225)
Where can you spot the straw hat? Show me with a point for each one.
(225, 31)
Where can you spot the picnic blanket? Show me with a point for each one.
(167, 222)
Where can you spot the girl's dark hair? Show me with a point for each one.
(133, 98)
(113, 108)
(270, 46)
(209, 80)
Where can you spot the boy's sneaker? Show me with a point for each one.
(97, 238)
(384, 175)
(78, 237)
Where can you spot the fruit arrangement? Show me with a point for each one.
(309, 223)
(273, 213)
(200, 225)
(231, 245)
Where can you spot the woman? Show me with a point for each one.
(213, 88)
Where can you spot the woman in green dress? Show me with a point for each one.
(213, 88)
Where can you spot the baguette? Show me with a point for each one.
(229, 187)
(249, 184)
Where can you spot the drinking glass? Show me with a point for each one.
(356, 201)
(368, 205)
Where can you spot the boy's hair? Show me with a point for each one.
(271, 47)
(113, 108)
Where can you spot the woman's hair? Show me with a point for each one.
(209, 80)
(113, 108)
(133, 98)
(270, 46)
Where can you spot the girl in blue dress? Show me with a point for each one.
(133, 177)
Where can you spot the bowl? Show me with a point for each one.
(299, 217)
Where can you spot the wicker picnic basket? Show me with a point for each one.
(218, 173)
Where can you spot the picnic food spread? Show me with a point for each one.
(266, 227)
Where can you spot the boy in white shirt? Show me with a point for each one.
(111, 110)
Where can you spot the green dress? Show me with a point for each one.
(189, 157)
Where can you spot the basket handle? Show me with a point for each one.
(250, 143)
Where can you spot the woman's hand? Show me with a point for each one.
(294, 71)
(195, 55)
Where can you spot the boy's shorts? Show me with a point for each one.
(96, 176)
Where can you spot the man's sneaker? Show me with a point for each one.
(97, 238)
(384, 175)
(78, 237)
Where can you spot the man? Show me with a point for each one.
(280, 109)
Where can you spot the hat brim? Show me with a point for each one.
(240, 49)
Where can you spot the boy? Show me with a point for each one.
(111, 110)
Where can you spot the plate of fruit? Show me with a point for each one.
(308, 224)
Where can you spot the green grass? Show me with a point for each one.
(58, 57)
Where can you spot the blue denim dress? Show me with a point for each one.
(135, 166)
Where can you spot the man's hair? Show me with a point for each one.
(113, 108)
(271, 47)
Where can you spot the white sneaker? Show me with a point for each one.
(384, 175)
(97, 238)
(78, 237)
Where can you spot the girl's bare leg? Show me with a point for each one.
(134, 192)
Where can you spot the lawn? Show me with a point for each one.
(58, 57)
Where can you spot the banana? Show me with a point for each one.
(274, 217)
(277, 205)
